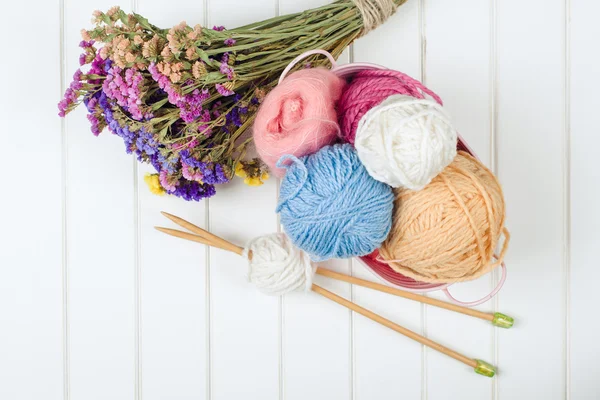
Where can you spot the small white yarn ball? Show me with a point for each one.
(405, 142)
(277, 266)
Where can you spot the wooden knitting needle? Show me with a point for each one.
(218, 241)
(184, 235)
(479, 366)
(498, 319)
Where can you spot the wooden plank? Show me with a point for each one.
(458, 69)
(585, 197)
(101, 245)
(245, 325)
(31, 361)
(314, 327)
(174, 280)
(530, 139)
(387, 365)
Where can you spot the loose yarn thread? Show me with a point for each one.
(276, 266)
(369, 88)
(447, 232)
(330, 206)
(405, 141)
(298, 116)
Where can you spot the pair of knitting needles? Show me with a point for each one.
(481, 367)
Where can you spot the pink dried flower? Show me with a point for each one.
(113, 10)
(190, 173)
(85, 35)
(104, 52)
(164, 181)
(223, 91)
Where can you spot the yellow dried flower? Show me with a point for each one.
(253, 181)
(154, 185)
(129, 57)
(239, 170)
(251, 172)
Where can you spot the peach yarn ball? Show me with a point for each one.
(448, 231)
(298, 116)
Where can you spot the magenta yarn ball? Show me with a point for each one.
(298, 117)
(370, 87)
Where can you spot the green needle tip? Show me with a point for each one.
(485, 369)
(502, 320)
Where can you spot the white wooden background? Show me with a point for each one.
(95, 304)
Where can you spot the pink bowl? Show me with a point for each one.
(371, 261)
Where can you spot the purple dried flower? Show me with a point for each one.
(218, 28)
(85, 44)
(211, 173)
(191, 105)
(227, 70)
(229, 42)
(192, 190)
(233, 117)
(95, 124)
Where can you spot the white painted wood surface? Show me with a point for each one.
(95, 304)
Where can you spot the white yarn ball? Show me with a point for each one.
(277, 266)
(405, 142)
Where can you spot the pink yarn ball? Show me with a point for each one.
(298, 116)
(370, 87)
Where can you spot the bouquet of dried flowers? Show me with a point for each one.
(182, 98)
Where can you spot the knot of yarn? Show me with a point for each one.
(448, 231)
(405, 141)
(276, 266)
(298, 116)
(375, 12)
(331, 207)
(367, 89)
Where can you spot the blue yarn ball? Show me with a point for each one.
(331, 207)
